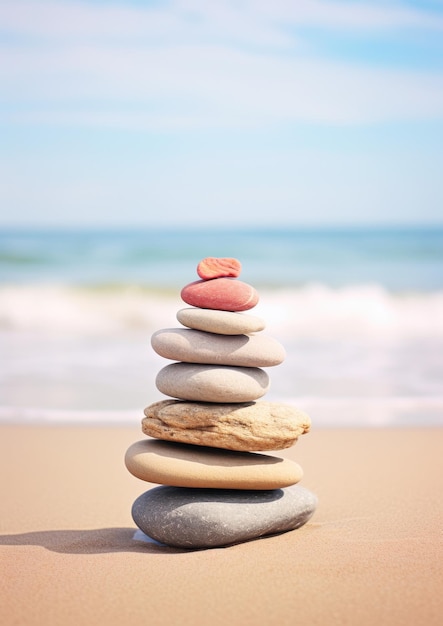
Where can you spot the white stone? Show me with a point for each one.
(221, 322)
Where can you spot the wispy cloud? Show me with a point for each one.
(344, 15)
(254, 20)
(195, 64)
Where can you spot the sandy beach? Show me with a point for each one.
(372, 553)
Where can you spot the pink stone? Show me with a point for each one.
(213, 267)
(223, 294)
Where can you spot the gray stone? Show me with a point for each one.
(212, 383)
(242, 426)
(222, 322)
(209, 518)
(198, 346)
(183, 465)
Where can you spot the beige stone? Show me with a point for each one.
(247, 426)
(198, 346)
(221, 322)
(182, 465)
(212, 383)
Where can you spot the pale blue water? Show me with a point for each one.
(359, 311)
(398, 259)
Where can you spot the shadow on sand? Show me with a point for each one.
(96, 541)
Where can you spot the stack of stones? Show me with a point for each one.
(202, 443)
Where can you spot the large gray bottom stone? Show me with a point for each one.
(208, 518)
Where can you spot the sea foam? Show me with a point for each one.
(314, 310)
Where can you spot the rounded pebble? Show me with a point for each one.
(225, 294)
(183, 465)
(210, 518)
(198, 346)
(212, 383)
(221, 322)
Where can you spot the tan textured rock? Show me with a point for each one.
(212, 383)
(182, 465)
(197, 346)
(221, 322)
(247, 426)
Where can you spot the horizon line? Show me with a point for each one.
(57, 227)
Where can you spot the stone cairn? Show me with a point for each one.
(215, 489)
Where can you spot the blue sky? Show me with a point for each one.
(224, 112)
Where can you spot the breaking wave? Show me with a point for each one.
(311, 311)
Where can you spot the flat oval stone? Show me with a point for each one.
(212, 383)
(245, 426)
(213, 267)
(225, 294)
(198, 346)
(211, 518)
(183, 465)
(221, 322)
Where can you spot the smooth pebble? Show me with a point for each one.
(225, 294)
(210, 518)
(198, 346)
(221, 322)
(183, 465)
(212, 383)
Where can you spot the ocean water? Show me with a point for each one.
(359, 311)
